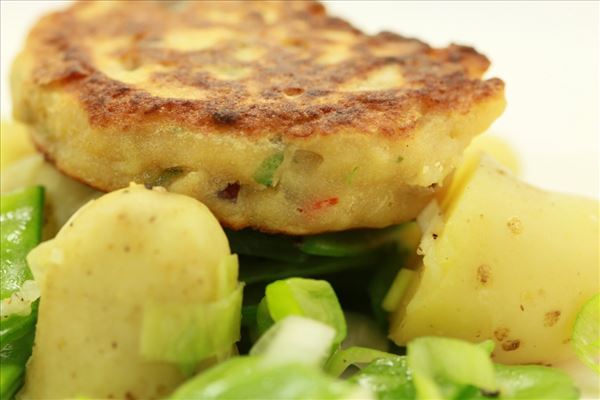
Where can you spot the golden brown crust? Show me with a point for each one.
(283, 69)
(198, 96)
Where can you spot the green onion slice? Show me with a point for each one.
(295, 339)
(265, 172)
(586, 334)
(188, 333)
(342, 359)
(309, 298)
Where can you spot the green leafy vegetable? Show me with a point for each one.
(263, 318)
(586, 333)
(13, 357)
(379, 286)
(20, 224)
(21, 228)
(350, 243)
(396, 258)
(291, 249)
(265, 172)
(257, 270)
(15, 326)
(265, 258)
(295, 339)
(274, 247)
(309, 298)
(290, 353)
(249, 315)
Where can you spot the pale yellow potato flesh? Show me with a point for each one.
(503, 261)
(23, 166)
(493, 146)
(63, 195)
(15, 144)
(118, 254)
(496, 147)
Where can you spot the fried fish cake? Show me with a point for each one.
(276, 115)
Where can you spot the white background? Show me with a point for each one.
(546, 52)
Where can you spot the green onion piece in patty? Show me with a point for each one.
(265, 172)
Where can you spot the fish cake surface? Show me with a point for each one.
(276, 115)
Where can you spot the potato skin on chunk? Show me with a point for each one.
(503, 261)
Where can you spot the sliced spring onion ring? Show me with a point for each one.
(309, 298)
(295, 340)
(586, 334)
(398, 289)
(342, 359)
(265, 172)
(189, 333)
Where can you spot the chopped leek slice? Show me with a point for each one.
(265, 172)
(487, 345)
(448, 369)
(364, 332)
(188, 333)
(342, 359)
(250, 378)
(399, 286)
(439, 364)
(586, 333)
(295, 339)
(389, 378)
(227, 275)
(309, 298)
(534, 382)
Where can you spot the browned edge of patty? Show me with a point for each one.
(287, 92)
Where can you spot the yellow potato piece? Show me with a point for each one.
(493, 146)
(503, 261)
(496, 147)
(14, 143)
(63, 195)
(118, 254)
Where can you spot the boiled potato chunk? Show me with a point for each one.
(15, 144)
(494, 147)
(503, 261)
(63, 195)
(129, 249)
(22, 166)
